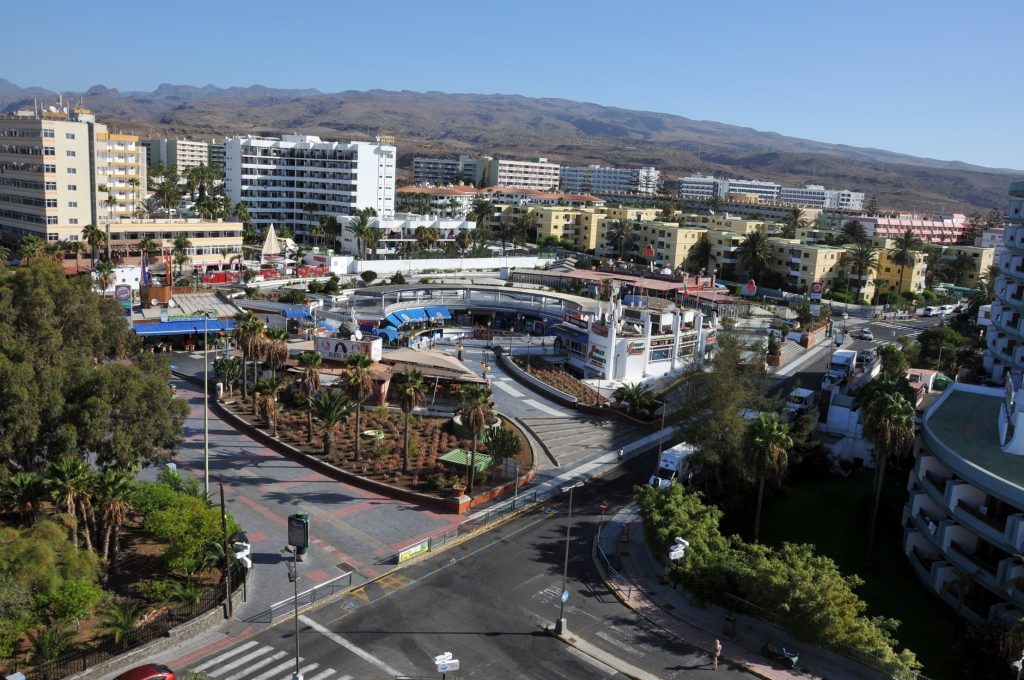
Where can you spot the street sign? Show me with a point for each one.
(817, 287)
(448, 666)
(603, 506)
(815, 309)
(565, 596)
(298, 531)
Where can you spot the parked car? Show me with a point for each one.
(865, 334)
(149, 671)
(929, 311)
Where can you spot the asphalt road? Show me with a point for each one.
(488, 602)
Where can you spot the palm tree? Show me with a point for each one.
(248, 330)
(94, 237)
(359, 225)
(755, 254)
(622, 233)
(180, 249)
(482, 212)
(49, 642)
(75, 248)
(310, 363)
(359, 386)
(119, 619)
(276, 348)
(228, 370)
(794, 222)
(114, 497)
(476, 411)
(375, 235)
(23, 492)
(769, 444)
(904, 253)
(426, 236)
(147, 247)
(702, 254)
(863, 261)
(409, 389)
(329, 409)
(266, 400)
(636, 396)
(879, 284)
(69, 482)
(889, 423)
(31, 248)
(986, 291)
(104, 275)
(854, 231)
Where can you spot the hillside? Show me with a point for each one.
(435, 123)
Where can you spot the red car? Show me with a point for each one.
(150, 671)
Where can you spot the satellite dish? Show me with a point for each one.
(172, 303)
(636, 327)
(358, 335)
(154, 302)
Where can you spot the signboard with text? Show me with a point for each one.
(339, 349)
(816, 289)
(596, 356)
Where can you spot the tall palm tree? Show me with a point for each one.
(276, 348)
(904, 253)
(410, 390)
(104, 275)
(148, 247)
(854, 231)
(23, 492)
(310, 363)
(755, 254)
(329, 409)
(482, 212)
(180, 249)
(359, 225)
(768, 446)
(119, 619)
(476, 410)
(68, 481)
(248, 330)
(31, 248)
(794, 221)
(114, 498)
(75, 248)
(623, 234)
(863, 261)
(266, 400)
(359, 386)
(701, 254)
(94, 237)
(426, 236)
(636, 396)
(889, 423)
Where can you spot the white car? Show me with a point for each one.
(865, 334)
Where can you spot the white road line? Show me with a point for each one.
(358, 651)
(544, 407)
(276, 669)
(604, 668)
(257, 666)
(329, 671)
(239, 661)
(225, 655)
(507, 389)
(302, 671)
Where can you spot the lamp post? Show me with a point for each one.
(561, 628)
(206, 402)
(295, 579)
(661, 434)
(515, 489)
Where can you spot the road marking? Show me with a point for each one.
(544, 407)
(507, 388)
(239, 661)
(276, 669)
(302, 671)
(327, 672)
(604, 668)
(225, 655)
(257, 666)
(358, 651)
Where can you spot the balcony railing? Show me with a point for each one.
(988, 569)
(938, 482)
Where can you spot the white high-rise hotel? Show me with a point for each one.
(812, 195)
(296, 179)
(596, 179)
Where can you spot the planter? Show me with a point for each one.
(459, 490)
(773, 359)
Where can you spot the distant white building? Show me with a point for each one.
(486, 171)
(817, 196)
(436, 172)
(399, 234)
(596, 179)
(299, 178)
(811, 195)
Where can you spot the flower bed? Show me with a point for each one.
(560, 380)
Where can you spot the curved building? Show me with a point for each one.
(1005, 338)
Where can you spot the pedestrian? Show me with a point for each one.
(620, 455)
(717, 652)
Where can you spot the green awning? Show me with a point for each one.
(458, 459)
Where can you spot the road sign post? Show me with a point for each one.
(298, 532)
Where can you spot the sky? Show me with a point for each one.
(939, 79)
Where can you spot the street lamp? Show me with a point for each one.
(293, 575)
(515, 489)
(561, 627)
(661, 434)
(206, 402)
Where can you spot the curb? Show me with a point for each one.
(620, 598)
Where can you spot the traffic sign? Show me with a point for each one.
(565, 596)
(298, 531)
(448, 666)
(603, 506)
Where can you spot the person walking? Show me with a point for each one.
(717, 652)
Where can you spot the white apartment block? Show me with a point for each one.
(811, 195)
(178, 153)
(61, 170)
(595, 179)
(486, 171)
(399, 233)
(298, 178)
(436, 172)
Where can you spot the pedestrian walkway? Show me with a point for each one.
(642, 586)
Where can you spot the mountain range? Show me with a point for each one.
(564, 131)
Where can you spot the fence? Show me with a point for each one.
(340, 583)
(160, 626)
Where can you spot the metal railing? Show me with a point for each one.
(340, 583)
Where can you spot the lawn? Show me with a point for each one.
(832, 515)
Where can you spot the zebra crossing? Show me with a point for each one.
(255, 661)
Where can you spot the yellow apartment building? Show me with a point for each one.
(804, 263)
(913, 277)
(671, 242)
(577, 225)
(214, 242)
(977, 259)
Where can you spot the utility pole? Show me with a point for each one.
(227, 555)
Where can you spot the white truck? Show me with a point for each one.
(674, 464)
(840, 368)
(800, 401)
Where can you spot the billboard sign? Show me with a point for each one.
(339, 349)
(123, 295)
(816, 289)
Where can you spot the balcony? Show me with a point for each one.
(972, 564)
(980, 523)
(936, 485)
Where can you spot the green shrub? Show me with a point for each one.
(73, 600)
(929, 296)
(159, 591)
(293, 297)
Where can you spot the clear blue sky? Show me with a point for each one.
(935, 78)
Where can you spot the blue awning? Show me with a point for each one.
(410, 315)
(436, 313)
(329, 325)
(296, 313)
(193, 327)
(394, 321)
(577, 335)
(386, 332)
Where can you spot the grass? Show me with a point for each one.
(832, 514)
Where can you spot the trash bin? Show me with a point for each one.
(220, 391)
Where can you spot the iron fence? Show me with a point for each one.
(340, 583)
(160, 626)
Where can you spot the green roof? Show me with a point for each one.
(459, 458)
(968, 424)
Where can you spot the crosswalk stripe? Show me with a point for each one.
(256, 666)
(226, 655)
(239, 661)
(327, 672)
(303, 671)
(275, 670)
